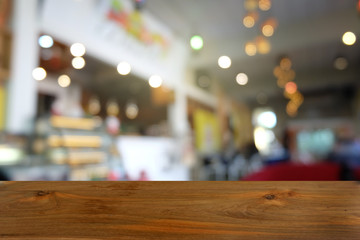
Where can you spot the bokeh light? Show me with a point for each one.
(131, 110)
(291, 87)
(39, 74)
(78, 62)
(249, 21)
(349, 38)
(250, 49)
(242, 79)
(267, 119)
(291, 109)
(64, 81)
(123, 68)
(224, 62)
(264, 5)
(155, 81)
(263, 139)
(267, 30)
(196, 42)
(251, 5)
(94, 106)
(340, 63)
(45, 41)
(77, 49)
(112, 108)
(263, 45)
(285, 64)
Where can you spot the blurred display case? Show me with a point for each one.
(80, 143)
(64, 148)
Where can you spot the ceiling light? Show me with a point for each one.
(349, 38)
(242, 79)
(46, 41)
(196, 42)
(78, 62)
(64, 81)
(124, 68)
(155, 81)
(77, 50)
(224, 62)
(39, 73)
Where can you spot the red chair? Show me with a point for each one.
(297, 172)
(357, 174)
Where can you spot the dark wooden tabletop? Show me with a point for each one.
(180, 210)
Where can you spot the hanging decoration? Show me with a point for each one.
(285, 79)
(260, 44)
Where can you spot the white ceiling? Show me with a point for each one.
(309, 32)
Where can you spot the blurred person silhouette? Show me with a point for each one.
(346, 152)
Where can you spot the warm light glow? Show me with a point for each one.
(132, 110)
(224, 62)
(285, 64)
(267, 30)
(263, 45)
(250, 49)
(77, 50)
(340, 63)
(264, 5)
(249, 21)
(94, 106)
(112, 108)
(349, 38)
(196, 42)
(250, 5)
(124, 68)
(242, 79)
(291, 109)
(78, 62)
(291, 87)
(64, 81)
(263, 139)
(155, 81)
(46, 41)
(39, 74)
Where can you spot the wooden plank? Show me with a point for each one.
(180, 210)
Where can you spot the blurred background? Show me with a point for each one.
(179, 90)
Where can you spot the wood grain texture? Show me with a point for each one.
(180, 210)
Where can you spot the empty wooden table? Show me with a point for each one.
(179, 210)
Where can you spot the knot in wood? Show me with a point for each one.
(270, 196)
(42, 193)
